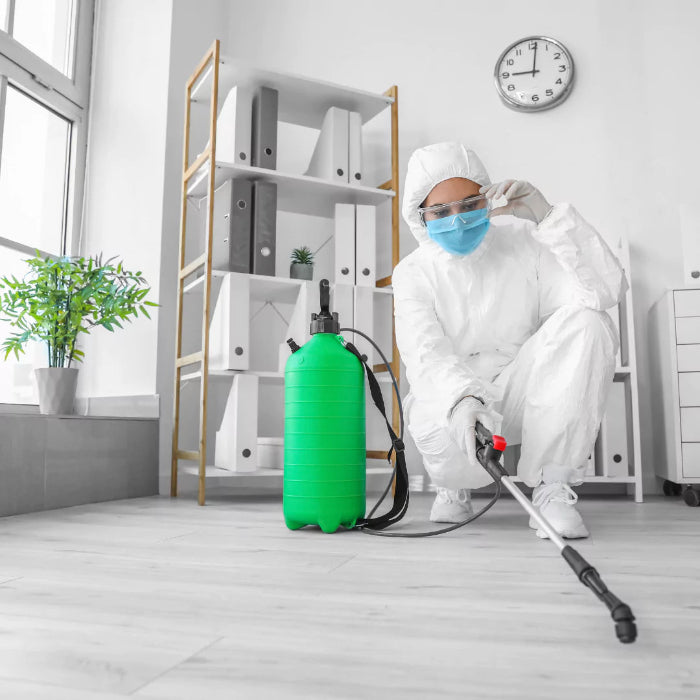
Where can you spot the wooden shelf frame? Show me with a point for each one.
(210, 59)
(206, 77)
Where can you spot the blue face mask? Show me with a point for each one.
(460, 234)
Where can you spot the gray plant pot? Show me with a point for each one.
(56, 389)
(299, 271)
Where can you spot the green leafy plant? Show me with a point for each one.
(60, 298)
(303, 256)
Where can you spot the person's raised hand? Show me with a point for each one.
(523, 200)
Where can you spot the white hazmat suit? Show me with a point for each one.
(519, 322)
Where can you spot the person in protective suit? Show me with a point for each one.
(501, 319)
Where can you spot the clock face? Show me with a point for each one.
(534, 74)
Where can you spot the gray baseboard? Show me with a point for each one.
(57, 461)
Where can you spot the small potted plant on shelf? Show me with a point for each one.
(58, 299)
(302, 267)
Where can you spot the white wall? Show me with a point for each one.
(124, 181)
(619, 148)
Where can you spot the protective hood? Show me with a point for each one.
(431, 165)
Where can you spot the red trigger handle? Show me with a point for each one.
(499, 443)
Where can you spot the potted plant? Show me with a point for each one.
(58, 299)
(302, 267)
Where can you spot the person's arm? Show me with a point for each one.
(576, 266)
(434, 371)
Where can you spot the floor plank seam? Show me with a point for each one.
(176, 537)
(177, 665)
(342, 563)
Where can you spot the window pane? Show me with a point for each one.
(3, 14)
(33, 172)
(45, 27)
(17, 383)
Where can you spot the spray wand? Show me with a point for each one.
(488, 451)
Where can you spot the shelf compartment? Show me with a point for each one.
(217, 473)
(269, 288)
(283, 290)
(266, 377)
(299, 194)
(621, 373)
(302, 100)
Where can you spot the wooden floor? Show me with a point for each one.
(159, 598)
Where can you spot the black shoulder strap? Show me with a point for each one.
(400, 505)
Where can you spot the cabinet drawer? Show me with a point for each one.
(688, 330)
(689, 388)
(686, 302)
(690, 424)
(688, 358)
(691, 459)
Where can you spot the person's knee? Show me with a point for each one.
(596, 325)
(430, 439)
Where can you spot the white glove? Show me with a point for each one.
(463, 420)
(524, 200)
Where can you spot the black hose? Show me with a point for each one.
(431, 533)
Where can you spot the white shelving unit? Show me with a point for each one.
(304, 102)
(625, 374)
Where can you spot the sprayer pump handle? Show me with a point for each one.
(325, 289)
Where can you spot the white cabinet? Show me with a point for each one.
(675, 365)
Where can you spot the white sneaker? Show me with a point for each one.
(451, 506)
(556, 502)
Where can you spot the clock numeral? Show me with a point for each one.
(505, 76)
(558, 82)
(557, 55)
(510, 62)
(549, 92)
(535, 98)
(511, 87)
(518, 52)
(562, 69)
(532, 45)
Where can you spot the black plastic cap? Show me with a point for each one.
(325, 324)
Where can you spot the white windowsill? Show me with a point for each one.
(134, 407)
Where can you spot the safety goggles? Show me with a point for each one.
(462, 206)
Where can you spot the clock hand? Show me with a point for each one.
(534, 61)
(526, 72)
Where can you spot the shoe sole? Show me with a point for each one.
(579, 534)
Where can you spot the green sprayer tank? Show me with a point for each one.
(324, 429)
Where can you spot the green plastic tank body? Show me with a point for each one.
(324, 436)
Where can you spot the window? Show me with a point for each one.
(45, 28)
(33, 173)
(45, 49)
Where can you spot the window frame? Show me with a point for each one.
(67, 97)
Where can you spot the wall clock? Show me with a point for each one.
(535, 73)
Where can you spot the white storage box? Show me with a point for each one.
(270, 453)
